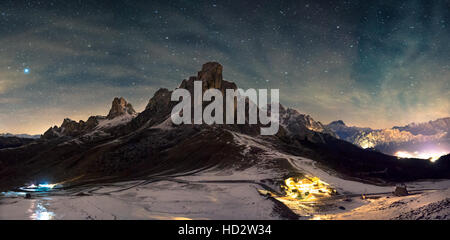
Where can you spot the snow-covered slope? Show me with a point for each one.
(163, 200)
(429, 205)
(231, 194)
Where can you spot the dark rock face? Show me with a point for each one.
(400, 191)
(68, 128)
(157, 110)
(71, 128)
(120, 107)
(211, 75)
(160, 102)
(160, 106)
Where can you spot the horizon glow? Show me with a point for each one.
(432, 156)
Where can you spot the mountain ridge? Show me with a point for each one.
(390, 140)
(147, 144)
(22, 135)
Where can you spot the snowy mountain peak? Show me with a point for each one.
(414, 137)
(301, 124)
(427, 128)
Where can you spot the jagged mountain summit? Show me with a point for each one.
(127, 145)
(120, 107)
(428, 128)
(300, 124)
(121, 112)
(412, 137)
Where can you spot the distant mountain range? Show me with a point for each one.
(20, 135)
(8, 140)
(412, 137)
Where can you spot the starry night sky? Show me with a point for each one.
(369, 63)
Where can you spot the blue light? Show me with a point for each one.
(41, 187)
(26, 71)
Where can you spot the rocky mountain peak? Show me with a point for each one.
(120, 107)
(70, 125)
(302, 125)
(71, 128)
(211, 75)
(160, 100)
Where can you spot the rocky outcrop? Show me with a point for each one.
(157, 110)
(160, 101)
(400, 190)
(70, 128)
(160, 106)
(120, 107)
(211, 77)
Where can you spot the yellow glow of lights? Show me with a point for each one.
(432, 156)
(307, 189)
